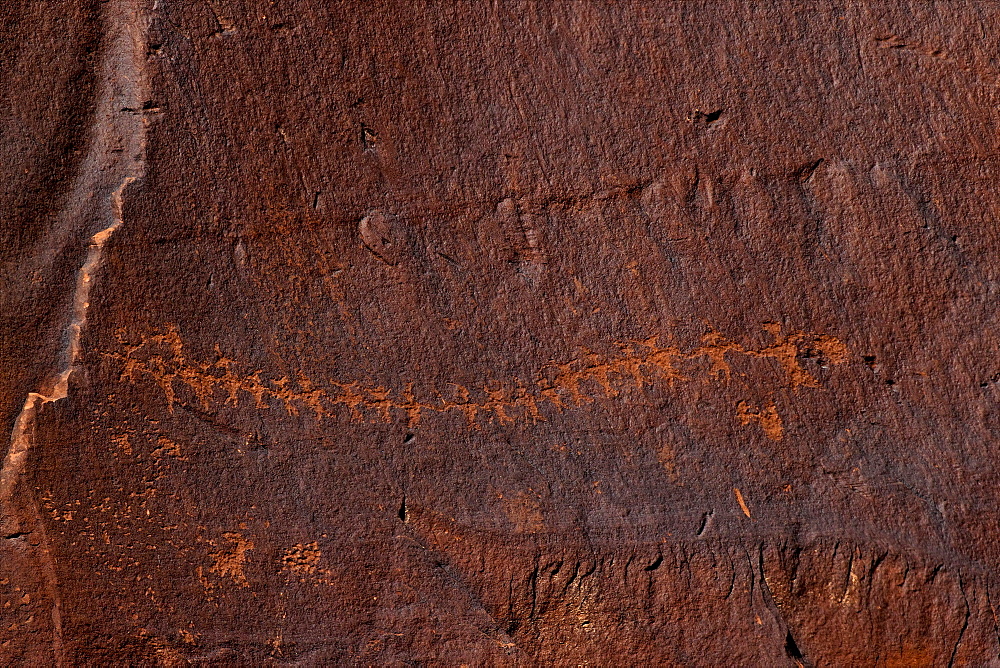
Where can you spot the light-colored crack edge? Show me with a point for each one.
(116, 159)
(22, 435)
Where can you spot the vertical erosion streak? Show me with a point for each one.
(115, 159)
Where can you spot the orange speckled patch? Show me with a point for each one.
(767, 417)
(229, 563)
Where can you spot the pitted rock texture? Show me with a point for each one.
(499, 333)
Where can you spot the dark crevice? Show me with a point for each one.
(401, 513)
(211, 420)
(704, 522)
(704, 117)
(713, 116)
(805, 173)
(791, 649)
(369, 138)
(965, 624)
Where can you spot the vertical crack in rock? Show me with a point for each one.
(115, 159)
(58, 385)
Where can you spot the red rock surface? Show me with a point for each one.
(499, 333)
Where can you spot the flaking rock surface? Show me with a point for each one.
(499, 333)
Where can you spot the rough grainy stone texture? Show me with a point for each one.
(499, 333)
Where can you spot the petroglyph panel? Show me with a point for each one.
(499, 333)
(160, 358)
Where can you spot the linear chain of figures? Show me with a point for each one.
(561, 385)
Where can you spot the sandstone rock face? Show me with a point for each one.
(499, 333)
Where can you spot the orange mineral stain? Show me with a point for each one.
(739, 500)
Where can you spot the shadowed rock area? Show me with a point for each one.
(499, 333)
